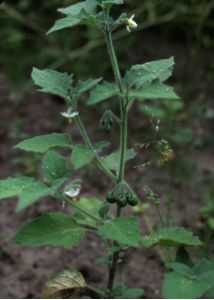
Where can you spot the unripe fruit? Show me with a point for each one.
(121, 201)
(110, 198)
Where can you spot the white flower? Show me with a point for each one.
(69, 114)
(73, 189)
(131, 24)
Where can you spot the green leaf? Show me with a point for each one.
(75, 9)
(54, 229)
(132, 293)
(146, 73)
(124, 230)
(64, 23)
(12, 187)
(54, 166)
(189, 283)
(180, 268)
(204, 266)
(69, 280)
(177, 286)
(92, 206)
(156, 90)
(31, 194)
(109, 3)
(52, 82)
(102, 92)
(84, 86)
(70, 21)
(205, 271)
(117, 2)
(79, 13)
(112, 160)
(98, 147)
(174, 236)
(43, 143)
(81, 156)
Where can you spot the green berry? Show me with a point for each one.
(132, 201)
(121, 201)
(110, 198)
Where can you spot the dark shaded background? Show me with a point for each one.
(183, 29)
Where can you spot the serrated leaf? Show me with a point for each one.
(54, 166)
(98, 147)
(189, 283)
(124, 230)
(203, 266)
(82, 18)
(82, 156)
(177, 286)
(84, 86)
(155, 90)
(75, 9)
(92, 206)
(31, 194)
(112, 160)
(102, 92)
(54, 229)
(174, 236)
(64, 23)
(180, 268)
(12, 187)
(81, 12)
(43, 143)
(52, 82)
(68, 280)
(146, 73)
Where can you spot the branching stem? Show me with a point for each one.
(89, 145)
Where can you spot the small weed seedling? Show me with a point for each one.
(119, 232)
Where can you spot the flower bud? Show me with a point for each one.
(107, 120)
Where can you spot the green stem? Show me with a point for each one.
(90, 147)
(123, 106)
(81, 210)
(114, 61)
(113, 266)
(123, 144)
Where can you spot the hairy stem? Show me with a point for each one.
(89, 145)
(123, 144)
(123, 108)
(113, 267)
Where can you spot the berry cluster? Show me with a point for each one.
(123, 195)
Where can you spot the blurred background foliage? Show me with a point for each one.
(24, 43)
